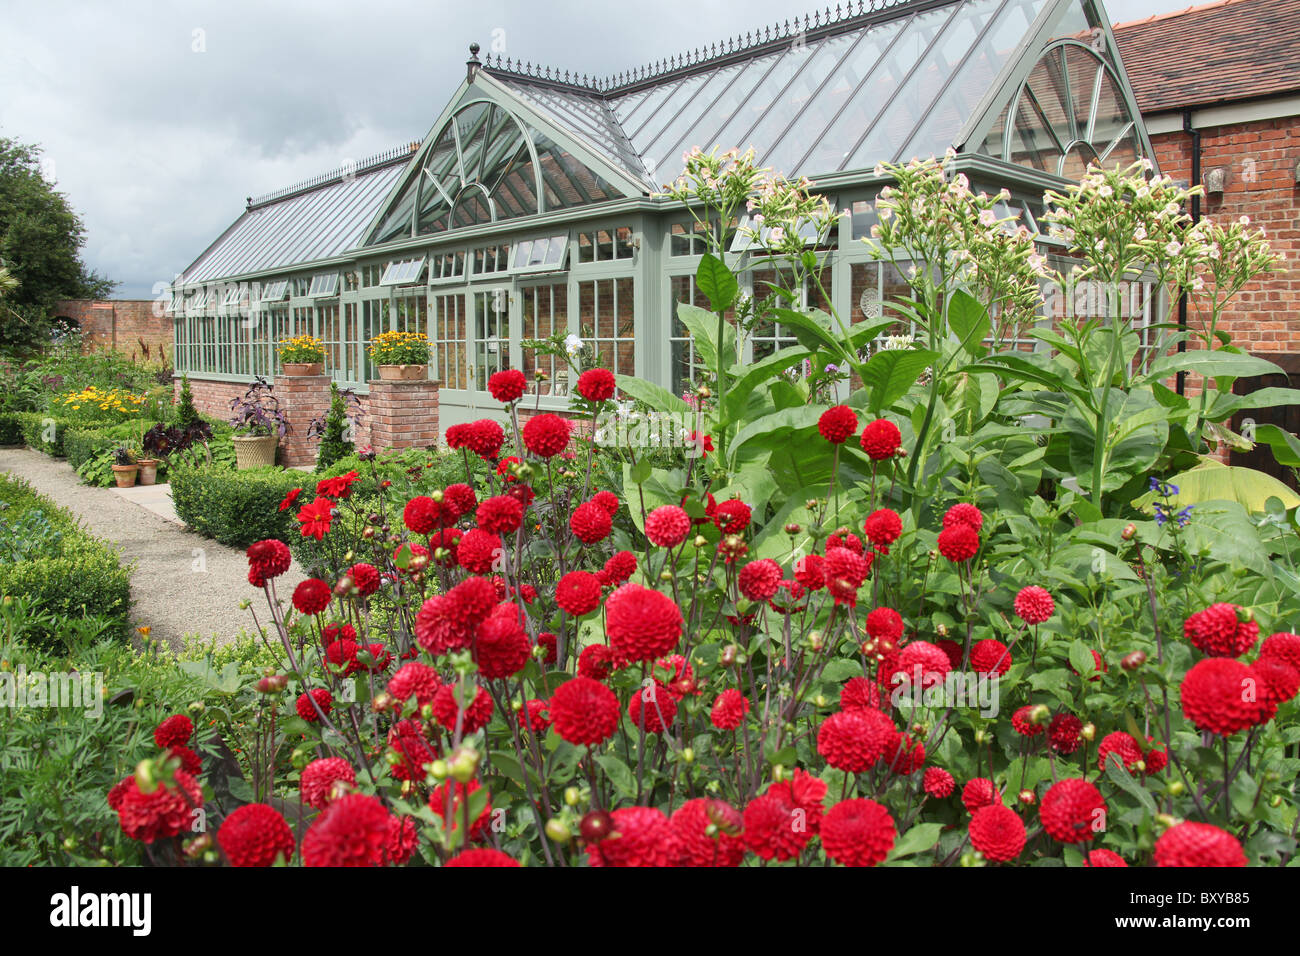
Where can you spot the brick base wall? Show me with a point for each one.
(402, 415)
(211, 398)
(303, 398)
(129, 326)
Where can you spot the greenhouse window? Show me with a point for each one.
(403, 272)
(540, 255)
(325, 284)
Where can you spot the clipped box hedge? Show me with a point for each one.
(11, 428)
(237, 507)
(71, 572)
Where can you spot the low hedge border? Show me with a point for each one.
(11, 428)
(236, 507)
(76, 575)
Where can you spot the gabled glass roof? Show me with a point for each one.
(900, 81)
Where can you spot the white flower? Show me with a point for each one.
(987, 218)
(1244, 220)
(778, 234)
(1173, 247)
(572, 344)
(1139, 233)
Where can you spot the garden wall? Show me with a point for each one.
(128, 326)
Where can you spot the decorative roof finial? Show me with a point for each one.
(472, 64)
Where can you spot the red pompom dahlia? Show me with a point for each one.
(858, 832)
(546, 435)
(837, 424)
(1221, 630)
(584, 711)
(255, 835)
(578, 593)
(997, 832)
(596, 384)
(642, 624)
(729, 709)
(1072, 811)
(1034, 605)
(352, 831)
(1198, 844)
(881, 439)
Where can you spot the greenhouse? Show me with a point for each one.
(531, 208)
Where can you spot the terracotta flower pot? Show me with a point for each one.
(254, 451)
(125, 475)
(148, 471)
(403, 373)
(303, 368)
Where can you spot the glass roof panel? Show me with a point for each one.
(566, 181)
(835, 146)
(889, 134)
(471, 125)
(588, 118)
(637, 113)
(669, 142)
(654, 125)
(718, 111)
(780, 69)
(965, 88)
(818, 64)
(814, 125)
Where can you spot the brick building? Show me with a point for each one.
(1219, 90)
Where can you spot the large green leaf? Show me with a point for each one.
(777, 427)
(970, 321)
(890, 373)
(1215, 481)
(703, 328)
(656, 396)
(1226, 404)
(770, 366)
(1212, 364)
(717, 282)
(1286, 447)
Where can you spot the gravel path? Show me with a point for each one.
(183, 583)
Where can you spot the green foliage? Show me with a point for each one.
(235, 507)
(40, 235)
(333, 445)
(186, 413)
(11, 428)
(71, 573)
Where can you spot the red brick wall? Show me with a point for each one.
(213, 399)
(402, 415)
(128, 326)
(303, 398)
(1261, 160)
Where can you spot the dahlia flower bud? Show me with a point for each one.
(793, 528)
(344, 587)
(704, 392)
(815, 640)
(1176, 788)
(197, 846)
(942, 630)
(665, 575)
(1130, 530)
(368, 531)
(596, 825)
(69, 843)
(464, 763)
(700, 541)
(778, 772)
(426, 712)
(980, 736)
(1140, 765)
(811, 504)
(418, 562)
(381, 702)
(245, 604)
(920, 730)
(557, 831)
(436, 496)
(688, 754)
(341, 788)
(1166, 820)
(1088, 731)
(301, 757)
(1245, 615)
(1275, 801)
(728, 656)
(272, 684)
(571, 796)
(972, 858)
(439, 770)
(1027, 797)
(820, 700)
(1132, 661)
(197, 707)
(144, 776)
(1039, 714)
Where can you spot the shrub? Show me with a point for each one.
(11, 428)
(186, 413)
(71, 573)
(235, 507)
(334, 443)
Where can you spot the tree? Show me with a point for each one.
(40, 246)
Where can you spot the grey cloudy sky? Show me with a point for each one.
(157, 132)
